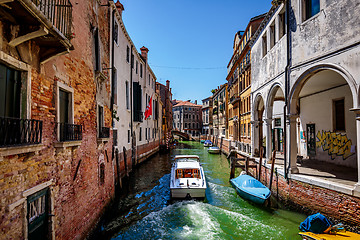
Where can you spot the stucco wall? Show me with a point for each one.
(317, 109)
(334, 27)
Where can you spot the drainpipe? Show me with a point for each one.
(133, 145)
(287, 77)
(112, 68)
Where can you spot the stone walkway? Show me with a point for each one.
(324, 170)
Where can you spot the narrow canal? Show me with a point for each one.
(147, 213)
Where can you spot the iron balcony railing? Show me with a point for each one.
(59, 12)
(104, 132)
(69, 132)
(17, 132)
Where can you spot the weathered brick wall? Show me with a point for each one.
(78, 202)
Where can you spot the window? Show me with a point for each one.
(38, 214)
(136, 67)
(264, 44)
(282, 25)
(100, 118)
(272, 35)
(146, 136)
(310, 8)
(64, 100)
(102, 173)
(132, 60)
(116, 32)
(277, 122)
(127, 95)
(141, 70)
(128, 136)
(339, 115)
(10, 92)
(97, 51)
(127, 54)
(140, 133)
(67, 131)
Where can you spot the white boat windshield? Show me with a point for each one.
(188, 173)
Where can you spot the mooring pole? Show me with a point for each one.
(260, 163)
(232, 170)
(272, 168)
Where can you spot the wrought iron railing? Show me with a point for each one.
(16, 131)
(59, 12)
(69, 132)
(104, 132)
(138, 116)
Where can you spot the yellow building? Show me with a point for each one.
(239, 87)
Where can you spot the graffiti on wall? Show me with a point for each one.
(336, 144)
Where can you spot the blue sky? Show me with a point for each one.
(189, 41)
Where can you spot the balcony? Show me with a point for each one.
(69, 132)
(19, 132)
(46, 22)
(104, 132)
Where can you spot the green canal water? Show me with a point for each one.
(146, 212)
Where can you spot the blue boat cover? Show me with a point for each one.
(251, 186)
(207, 141)
(316, 223)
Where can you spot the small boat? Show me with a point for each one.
(187, 179)
(202, 141)
(340, 235)
(250, 188)
(214, 150)
(318, 227)
(208, 143)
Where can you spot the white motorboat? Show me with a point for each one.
(214, 150)
(187, 178)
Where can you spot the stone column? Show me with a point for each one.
(268, 123)
(357, 117)
(292, 142)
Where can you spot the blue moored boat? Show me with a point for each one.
(208, 143)
(251, 189)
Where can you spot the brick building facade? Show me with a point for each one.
(55, 151)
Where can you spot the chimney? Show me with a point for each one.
(196, 102)
(144, 53)
(168, 84)
(119, 7)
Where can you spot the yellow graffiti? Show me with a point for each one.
(334, 143)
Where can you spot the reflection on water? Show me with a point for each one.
(147, 213)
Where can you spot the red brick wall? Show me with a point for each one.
(79, 202)
(312, 199)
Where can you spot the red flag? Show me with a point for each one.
(148, 111)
